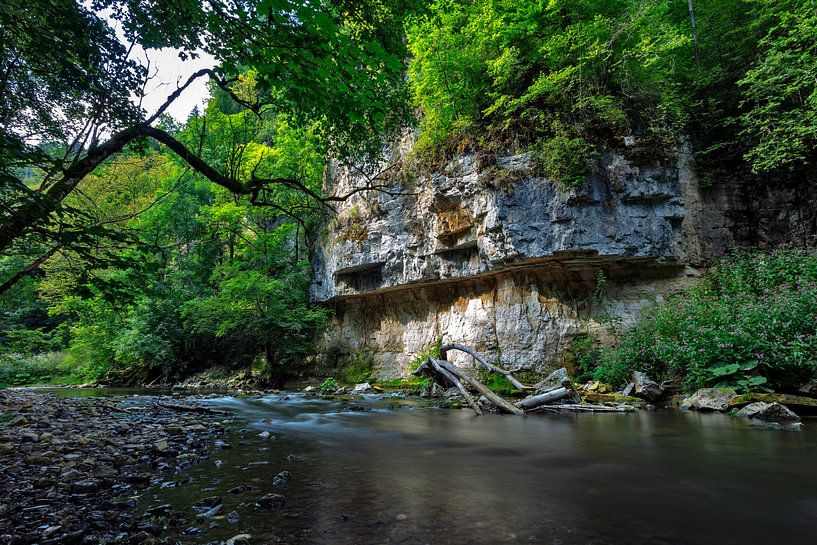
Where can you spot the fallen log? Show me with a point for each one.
(585, 408)
(190, 408)
(478, 386)
(444, 349)
(456, 382)
(534, 401)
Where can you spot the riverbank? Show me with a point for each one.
(72, 469)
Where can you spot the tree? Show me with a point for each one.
(62, 116)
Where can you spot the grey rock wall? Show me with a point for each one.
(486, 252)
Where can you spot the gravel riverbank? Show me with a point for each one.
(72, 469)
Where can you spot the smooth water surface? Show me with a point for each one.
(414, 475)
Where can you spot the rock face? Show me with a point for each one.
(486, 252)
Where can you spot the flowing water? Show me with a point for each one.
(418, 475)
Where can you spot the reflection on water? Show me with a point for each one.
(425, 476)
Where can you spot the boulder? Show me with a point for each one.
(240, 539)
(557, 379)
(708, 399)
(361, 388)
(309, 389)
(773, 412)
(646, 388)
(432, 390)
(270, 501)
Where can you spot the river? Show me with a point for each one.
(417, 475)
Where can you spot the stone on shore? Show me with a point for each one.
(772, 412)
(557, 379)
(646, 388)
(709, 399)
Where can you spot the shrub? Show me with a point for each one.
(47, 368)
(750, 323)
(329, 385)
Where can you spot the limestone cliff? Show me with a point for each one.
(486, 252)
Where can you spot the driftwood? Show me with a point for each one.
(444, 349)
(190, 408)
(444, 372)
(585, 408)
(481, 388)
(456, 382)
(531, 402)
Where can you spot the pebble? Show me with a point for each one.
(71, 467)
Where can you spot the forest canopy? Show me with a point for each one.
(134, 243)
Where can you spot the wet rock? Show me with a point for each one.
(281, 478)
(192, 531)
(205, 504)
(265, 435)
(557, 379)
(361, 388)
(432, 390)
(18, 421)
(788, 426)
(85, 486)
(774, 412)
(597, 387)
(70, 476)
(240, 539)
(645, 387)
(233, 517)
(709, 399)
(163, 510)
(241, 489)
(214, 512)
(310, 389)
(628, 390)
(29, 437)
(270, 501)
(452, 393)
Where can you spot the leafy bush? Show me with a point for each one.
(47, 368)
(563, 158)
(750, 323)
(329, 385)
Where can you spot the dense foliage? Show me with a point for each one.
(207, 279)
(751, 323)
(137, 247)
(566, 76)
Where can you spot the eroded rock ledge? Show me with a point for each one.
(487, 252)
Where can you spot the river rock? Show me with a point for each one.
(774, 412)
(18, 421)
(86, 485)
(240, 539)
(281, 478)
(310, 389)
(645, 387)
(270, 501)
(557, 379)
(432, 390)
(708, 399)
(361, 388)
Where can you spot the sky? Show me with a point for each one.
(168, 72)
